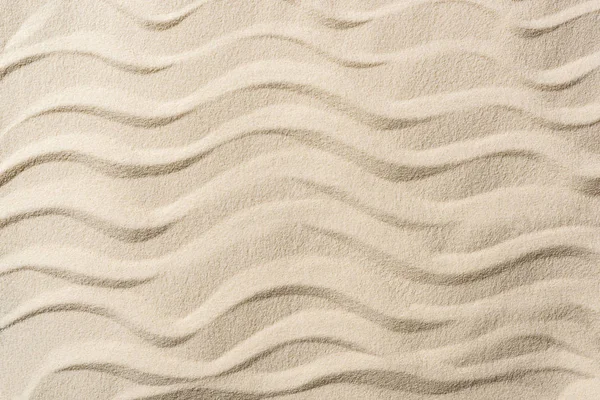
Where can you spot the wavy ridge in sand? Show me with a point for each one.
(306, 79)
(109, 50)
(348, 139)
(346, 330)
(353, 19)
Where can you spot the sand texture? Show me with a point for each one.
(299, 199)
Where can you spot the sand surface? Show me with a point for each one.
(299, 199)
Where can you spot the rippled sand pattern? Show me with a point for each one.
(299, 199)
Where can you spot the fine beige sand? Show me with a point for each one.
(299, 199)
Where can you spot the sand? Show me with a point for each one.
(296, 199)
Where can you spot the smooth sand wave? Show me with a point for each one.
(370, 370)
(131, 223)
(314, 81)
(443, 269)
(330, 132)
(108, 49)
(345, 330)
(539, 301)
(354, 19)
